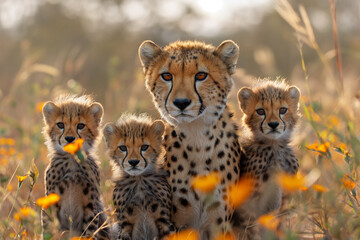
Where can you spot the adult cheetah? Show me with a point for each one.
(189, 82)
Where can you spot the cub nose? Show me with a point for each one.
(134, 162)
(273, 125)
(182, 103)
(69, 139)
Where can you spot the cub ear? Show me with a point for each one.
(50, 111)
(158, 128)
(97, 110)
(228, 52)
(293, 94)
(148, 50)
(109, 131)
(244, 96)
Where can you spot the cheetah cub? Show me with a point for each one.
(142, 195)
(270, 115)
(80, 209)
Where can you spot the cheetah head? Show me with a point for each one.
(69, 118)
(189, 80)
(134, 143)
(270, 109)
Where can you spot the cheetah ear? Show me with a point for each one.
(148, 50)
(293, 94)
(97, 111)
(228, 52)
(109, 131)
(50, 111)
(245, 95)
(158, 128)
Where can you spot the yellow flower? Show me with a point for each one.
(320, 188)
(48, 200)
(39, 106)
(74, 147)
(225, 236)
(240, 192)
(348, 183)
(21, 178)
(269, 221)
(9, 188)
(290, 183)
(24, 213)
(187, 234)
(206, 183)
(319, 149)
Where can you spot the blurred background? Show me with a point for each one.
(48, 47)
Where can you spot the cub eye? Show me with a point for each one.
(166, 77)
(60, 125)
(260, 111)
(200, 76)
(123, 148)
(144, 147)
(282, 110)
(80, 126)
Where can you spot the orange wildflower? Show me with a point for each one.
(333, 120)
(291, 183)
(48, 200)
(74, 147)
(319, 149)
(3, 161)
(39, 106)
(21, 178)
(240, 192)
(269, 221)
(320, 188)
(206, 183)
(24, 213)
(187, 234)
(7, 141)
(348, 183)
(225, 236)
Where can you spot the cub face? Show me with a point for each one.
(271, 109)
(70, 118)
(189, 80)
(133, 144)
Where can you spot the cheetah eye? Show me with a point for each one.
(166, 77)
(144, 147)
(60, 125)
(200, 76)
(260, 111)
(283, 110)
(123, 148)
(80, 126)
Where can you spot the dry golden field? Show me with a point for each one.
(324, 201)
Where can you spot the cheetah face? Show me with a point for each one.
(69, 121)
(189, 80)
(270, 111)
(134, 146)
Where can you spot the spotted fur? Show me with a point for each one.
(142, 195)
(67, 119)
(270, 115)
(189, 82)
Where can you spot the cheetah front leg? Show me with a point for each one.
(164, 224)
(125, 230)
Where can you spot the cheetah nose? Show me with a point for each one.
(273, 125)
(134, 162)
(69, 139)
(182, 103)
